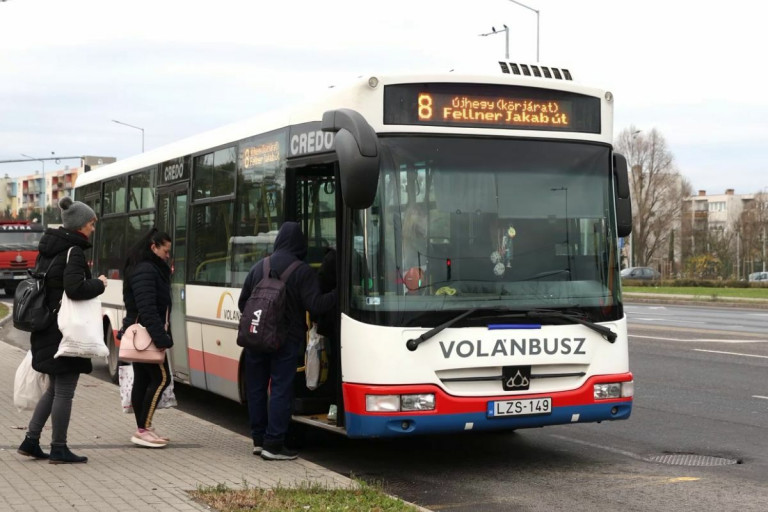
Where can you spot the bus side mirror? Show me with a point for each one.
(623, 202)
(623, 217)
(621, 176)
(357, 149)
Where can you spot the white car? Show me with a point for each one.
(640, 273)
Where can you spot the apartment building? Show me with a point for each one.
(25, 195)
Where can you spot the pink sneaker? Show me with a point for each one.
(162, 438)
(147, 439)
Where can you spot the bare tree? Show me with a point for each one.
(657, 190)
(752, 227)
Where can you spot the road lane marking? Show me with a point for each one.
(729, 353)
(701, 340)
(598, 446)
(760, 396)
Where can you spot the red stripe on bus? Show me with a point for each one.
(212, 364)
(354, 396)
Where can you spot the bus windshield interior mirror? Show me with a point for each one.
(623, 203)
(357, 149)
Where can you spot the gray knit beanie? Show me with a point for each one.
(75, 214)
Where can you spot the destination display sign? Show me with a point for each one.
(491, 106)
(262, 155)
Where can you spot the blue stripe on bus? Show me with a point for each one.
(361, 426)
(494, 327)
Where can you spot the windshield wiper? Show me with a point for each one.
(414, 343)
(539, 314)
(534, 314)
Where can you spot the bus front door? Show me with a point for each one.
(172, 218)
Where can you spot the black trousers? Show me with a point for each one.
(149, 382)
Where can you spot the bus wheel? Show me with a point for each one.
(112, 362)
(10, 290)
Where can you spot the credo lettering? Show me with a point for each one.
(311, 142)
(513, 347)
(173, 171)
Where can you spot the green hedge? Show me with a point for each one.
(696, 283)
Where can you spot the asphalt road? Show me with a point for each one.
(696, 439)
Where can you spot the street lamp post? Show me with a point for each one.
(537, 24)
(42, 209)
(506, 32)
(137, 128)
(634, 169)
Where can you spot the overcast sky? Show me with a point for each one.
(177, 68)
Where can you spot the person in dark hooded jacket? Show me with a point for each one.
(72, 276)
(273, 373)
(147, 297)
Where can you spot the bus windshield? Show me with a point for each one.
(463, 223)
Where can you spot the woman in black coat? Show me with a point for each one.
(147, 296)
(72, 276)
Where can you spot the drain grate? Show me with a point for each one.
(689, 459)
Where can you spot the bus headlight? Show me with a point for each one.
(614, 390)
(382, 403)
(420, 402)
(396, 403)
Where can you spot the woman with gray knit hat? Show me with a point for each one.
(73, 277)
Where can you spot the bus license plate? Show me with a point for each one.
(528, 407)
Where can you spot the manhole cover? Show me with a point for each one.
(688, 459)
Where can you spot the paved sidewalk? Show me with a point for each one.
(200, 454)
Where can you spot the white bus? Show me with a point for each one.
(476, 220)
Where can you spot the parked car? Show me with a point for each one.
(640, 273)
(758, 276)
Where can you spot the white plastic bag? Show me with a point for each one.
(29, 385)
(168, 398)
(125, 377)
(81, 328)
(314, 359)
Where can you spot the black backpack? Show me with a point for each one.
(30, 305)
(263, 325)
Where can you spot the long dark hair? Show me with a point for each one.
(142, 250)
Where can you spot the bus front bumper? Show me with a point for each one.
(457, 414)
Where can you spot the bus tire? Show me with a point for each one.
(112, 361)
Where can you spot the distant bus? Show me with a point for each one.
(18, 251)
(476, 219)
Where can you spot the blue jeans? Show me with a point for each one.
(269, 387)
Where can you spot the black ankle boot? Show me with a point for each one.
(60, 454)
(31, 448)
